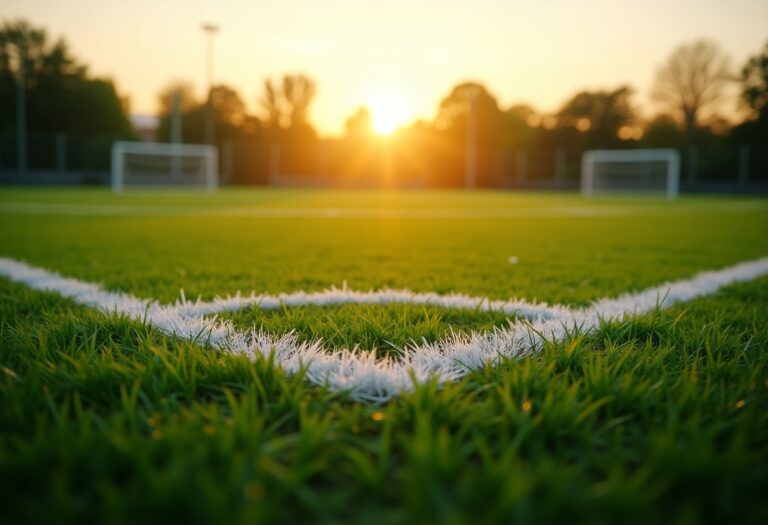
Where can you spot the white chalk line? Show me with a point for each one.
(339, 296)
(88, 209)
(364, 375)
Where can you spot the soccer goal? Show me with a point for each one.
(632, 170)
(151, 164)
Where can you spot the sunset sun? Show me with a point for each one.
(389, 110)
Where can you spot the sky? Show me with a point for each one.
(398, 57)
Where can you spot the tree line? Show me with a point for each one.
(61, 94)
(63, 97)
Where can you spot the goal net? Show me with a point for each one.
(150, 164)
(637, 170)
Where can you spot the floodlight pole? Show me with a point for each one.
(21, 112)
(470, 167)
(210, 30)
(176, 128)
(176, 131)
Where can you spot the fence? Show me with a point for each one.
(85, 159)
(57, 158)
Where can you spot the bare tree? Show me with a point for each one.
(299, 92)
(288, 105)
(692, 81)
(272, 104)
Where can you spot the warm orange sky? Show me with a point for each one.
(396, 54)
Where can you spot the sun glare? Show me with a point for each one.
(389, 111)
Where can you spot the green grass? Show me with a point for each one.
(662, 418)
(388, 329)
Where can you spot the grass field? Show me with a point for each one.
(656, 418)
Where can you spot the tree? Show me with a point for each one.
(454, 110)
(691, 82)
(186, 94)
(60, 95)
(95, 108)
(299, 92)
(662, 132)
(272, 104)
(230, 117)
(228, 106)
(516, 128)
(360, 124)
(288, 106)
(469, 120)
(754, 84)
(599, 115)
(754, 95)
(21, 41)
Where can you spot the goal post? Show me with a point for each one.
(631, 170)
(156, 164)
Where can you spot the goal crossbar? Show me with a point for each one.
(670, 156)
(207, 153)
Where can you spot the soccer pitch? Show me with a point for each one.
(647, 417)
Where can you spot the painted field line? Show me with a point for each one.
(364, 375)
(89, 209)
(339, 296)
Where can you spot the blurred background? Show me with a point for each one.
(392, 94)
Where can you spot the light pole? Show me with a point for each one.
(21, 111)
(210, 30)
(470, 166)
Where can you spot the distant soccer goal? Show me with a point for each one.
(150, 164)
(633, 170)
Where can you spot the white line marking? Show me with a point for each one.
(364, 375)
(336, 296)
(88, 209)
